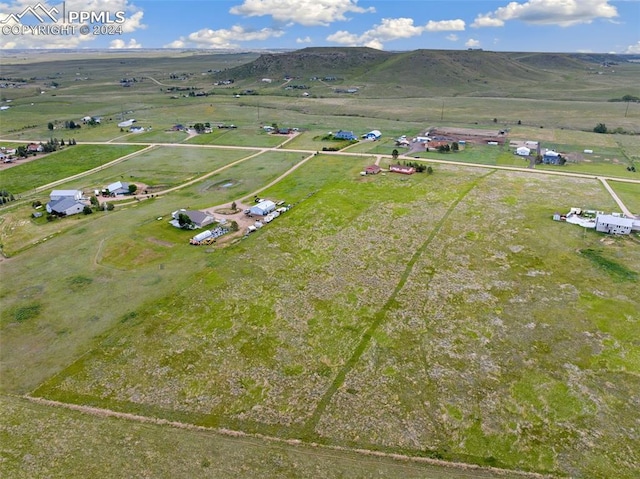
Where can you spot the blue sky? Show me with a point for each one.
(531, 25)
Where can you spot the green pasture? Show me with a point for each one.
(139, 449)
(417, 299)
(162, 167)
(629, 193)
(247, 136)
(443, 316)
(61, 164)
(238, 181)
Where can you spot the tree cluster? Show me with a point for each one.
(201, 127)
(6, 197)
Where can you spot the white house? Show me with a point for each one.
(65, 206)
(616, 225)
(200, 219)
(118, 188)
(523, 151)
(263, 208)
(60, 194)
(372, 135)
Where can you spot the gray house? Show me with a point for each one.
(65, 207)
(118, 188)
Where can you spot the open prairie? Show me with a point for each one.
(429, 319)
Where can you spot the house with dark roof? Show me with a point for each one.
(372, 170)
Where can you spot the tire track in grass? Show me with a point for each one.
(310, 426)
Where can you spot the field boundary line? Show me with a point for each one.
(311, 424)
(101, 412)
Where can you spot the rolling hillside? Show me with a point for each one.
(426, 72)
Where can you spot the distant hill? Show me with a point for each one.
(465, 72)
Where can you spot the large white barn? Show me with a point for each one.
(263, 208)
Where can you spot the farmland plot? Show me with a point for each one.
(441, 315)
(256, 341)
(506, 347)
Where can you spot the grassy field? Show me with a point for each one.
(420, 333)
(629, 193)
(441, 316)
(60, 164)
(114, 447)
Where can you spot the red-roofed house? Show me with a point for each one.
(372, 170)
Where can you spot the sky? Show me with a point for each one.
(599, 26)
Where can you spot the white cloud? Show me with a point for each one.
(180, 43)
(304, 12)
(549, 12)
(445, 26)
(303, 40)
(633, 48)
(452, 38)
(487, 21)
(224, 38)
(471, 43)
(392, 29)
(132, 14)
(120, 44)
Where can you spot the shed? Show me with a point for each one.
(611, 224)
(372, 170)
(126, 123)
(60, 194)
(263, 208)
(372, 135)
(202, 236)
(118, 188)
(523, 151)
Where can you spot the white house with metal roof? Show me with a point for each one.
(617, 225)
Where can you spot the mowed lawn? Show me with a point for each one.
(444, 315)
(59, 165)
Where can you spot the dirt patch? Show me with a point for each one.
(166, 244)
(467, 134)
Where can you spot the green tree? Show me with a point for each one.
(94, 201)
(234, 206)
(50, 126)
(185, 222)
(455, 146)
(394, 154)
(132, 188)
(429, 170)
(110, 206)
(600, 128)
(87, 210)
